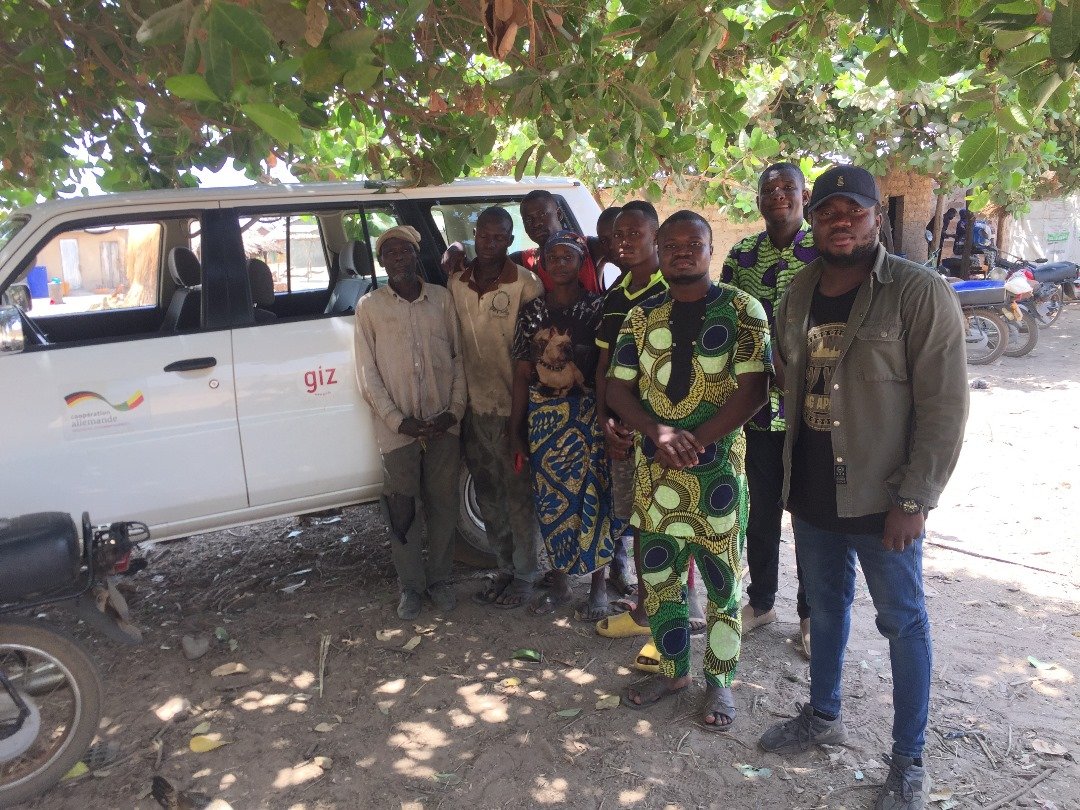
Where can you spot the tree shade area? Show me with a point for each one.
(637, 93)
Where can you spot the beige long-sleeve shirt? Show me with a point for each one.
(488, 320)
(408, 360)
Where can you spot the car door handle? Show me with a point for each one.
(192, 363)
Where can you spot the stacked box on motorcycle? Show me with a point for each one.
(980, 292)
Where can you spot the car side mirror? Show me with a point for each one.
(11, 331)
(18, 295)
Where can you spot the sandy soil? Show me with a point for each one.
(454, 722)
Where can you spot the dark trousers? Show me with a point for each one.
(765, 478)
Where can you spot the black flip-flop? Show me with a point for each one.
(647, 698)
(719, 705)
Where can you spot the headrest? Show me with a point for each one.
(184, 267)
(349, 260)
(261, 279)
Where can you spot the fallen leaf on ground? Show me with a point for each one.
(234, 668)
(526, 654)
(750, 772)
(1052, 749)
(940, 794)
(202, 728)
(387, 635)
(385, 706)
(569, 712)
(448, 778)
(323, 762)
(608, 702)
(221, 634)
(205, 742)
(322, 728)
(858, 776)
(510, 683)
(1035, 662)
(77, 770)
(411, 643)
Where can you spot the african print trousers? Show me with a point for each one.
(664, 563)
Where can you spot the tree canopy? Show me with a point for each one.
(640, 93)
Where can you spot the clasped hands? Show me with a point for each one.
(427, 428)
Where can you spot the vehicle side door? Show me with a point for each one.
(116, 414)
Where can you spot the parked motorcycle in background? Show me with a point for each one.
(1056, 283)
(986, 332)
(1019, 316)
(50, 692)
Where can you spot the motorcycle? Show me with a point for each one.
(50, 692)
(986, 334)
(1056, 283)
(1019, 315)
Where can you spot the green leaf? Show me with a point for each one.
(217, 59)
(519, 172)
(558, 150)
(355, 43)
(975, 152)
(568, 712)
(190, 87)
(361, 78)
(242, 28)
(411, 13)
(1035, 662)
(280, 124)
(320, 73)
(773, 26)
(653, 193)
(1006, 117)
(1065, 29)
(916, 37)
(165, 24)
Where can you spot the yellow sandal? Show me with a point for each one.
(621, 625)
(648, 659)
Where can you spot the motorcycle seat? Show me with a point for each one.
(1056, 271)
(38, 552)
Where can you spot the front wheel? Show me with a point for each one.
(1023, 335)
(50, 706)
(986, 336)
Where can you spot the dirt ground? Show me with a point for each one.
(454, 722)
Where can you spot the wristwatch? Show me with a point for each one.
(910, 506)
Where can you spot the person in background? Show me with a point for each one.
(553, 428)
(690, 366)
(763, 265)
(606, 266)
(409, 368)
(488, 294)
(870, 349)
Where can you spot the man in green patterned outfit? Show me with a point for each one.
(764, 265)
(690, 366)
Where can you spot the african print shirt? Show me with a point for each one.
(755, 265)
(560, 343)
(701, 501)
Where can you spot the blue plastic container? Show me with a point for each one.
(38, 281)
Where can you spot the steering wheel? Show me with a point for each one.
(32, 332)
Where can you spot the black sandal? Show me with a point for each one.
(718, 703)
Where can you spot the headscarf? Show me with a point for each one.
(572, 240)
(404, 232)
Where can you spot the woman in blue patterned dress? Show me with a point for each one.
(553, 428)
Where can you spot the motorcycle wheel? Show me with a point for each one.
(986, 336)
(1049, 309)
(53, 675)
(1023, 336)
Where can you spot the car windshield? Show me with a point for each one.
(9, 226)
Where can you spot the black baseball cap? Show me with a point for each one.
(845, 181)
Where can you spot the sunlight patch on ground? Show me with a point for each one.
(227, 781)
(254, 700)
(304, 680)
(550, 791)
(298, 774)
(488, 708)
(391, 687)
(629, 798)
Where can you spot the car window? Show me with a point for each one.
(457, 220)
(292, 246)
(109, 267)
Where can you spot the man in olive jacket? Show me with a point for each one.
(872, 349)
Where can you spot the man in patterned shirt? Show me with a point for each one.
(690, 366)
(763, 265)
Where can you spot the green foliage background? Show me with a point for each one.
(636, 94)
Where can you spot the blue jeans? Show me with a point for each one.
(895, 582)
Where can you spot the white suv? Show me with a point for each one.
(184, 357)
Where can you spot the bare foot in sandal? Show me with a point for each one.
(493, 590)
(514, 595)
(654, 690)
(719, 712)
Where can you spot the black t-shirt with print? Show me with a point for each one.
(550, 338)
(814, 475)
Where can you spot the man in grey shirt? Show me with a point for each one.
(409, 368)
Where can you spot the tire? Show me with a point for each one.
(1047, 311)
(472, 546)
(986, 336)
(69, 712)
(1023, 336)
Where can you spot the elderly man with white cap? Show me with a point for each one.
(409, 368)
(871, 351)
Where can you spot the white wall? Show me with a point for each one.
(1051, 229)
